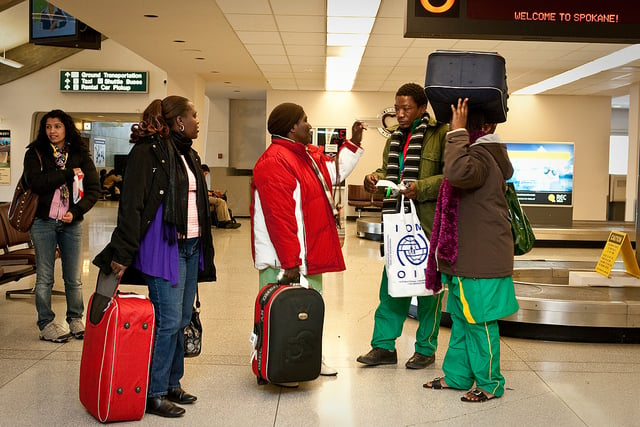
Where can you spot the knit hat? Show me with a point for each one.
(283, 117)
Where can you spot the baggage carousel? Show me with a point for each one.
(550, 308)
(580, 231)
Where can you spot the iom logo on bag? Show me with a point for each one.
(412, 249)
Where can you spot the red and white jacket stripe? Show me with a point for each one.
(292, 222)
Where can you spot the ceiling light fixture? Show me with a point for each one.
(608, 62)
(9, 62)
(348, 27)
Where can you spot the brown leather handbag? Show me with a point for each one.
(24, 204)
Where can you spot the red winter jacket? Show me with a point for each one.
(292, 222)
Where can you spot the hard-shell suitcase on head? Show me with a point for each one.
(116, 353)
(479, 76)
(287, 334)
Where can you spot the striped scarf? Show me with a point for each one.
(410, 163)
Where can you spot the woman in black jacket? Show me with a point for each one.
(163, 237)
(58, 167)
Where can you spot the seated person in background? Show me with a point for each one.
(113, 183)
(103, 191)
(218, 204)
(103, 176)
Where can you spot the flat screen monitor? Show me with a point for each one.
(52, 26)
(542, 172)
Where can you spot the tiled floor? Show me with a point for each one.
(548, 383)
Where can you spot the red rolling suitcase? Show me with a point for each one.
(479, 76)
(116, 354)
(287, 334)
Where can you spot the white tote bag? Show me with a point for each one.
(405, 248)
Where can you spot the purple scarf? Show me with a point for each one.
(444, 233)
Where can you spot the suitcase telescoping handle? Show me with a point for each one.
(106, 288)
(302, 279)
(107, 284)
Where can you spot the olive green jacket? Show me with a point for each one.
(430, 173)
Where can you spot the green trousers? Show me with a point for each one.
(270, 275)
(392, 312)
(473, 355)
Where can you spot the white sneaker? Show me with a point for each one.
(77, 328)
(327, 371)
(55, 333)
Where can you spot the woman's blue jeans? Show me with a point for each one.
(173, 306)
(46, 235)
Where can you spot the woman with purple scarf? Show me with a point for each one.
(163, 238)
(471, 252)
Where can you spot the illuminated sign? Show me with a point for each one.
(542, 172)
(615, 21)
(104, 81)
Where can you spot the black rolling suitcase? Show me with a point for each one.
(479, 76)
(287, 334)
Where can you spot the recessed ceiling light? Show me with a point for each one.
(200, 58)
(179, 41)
(227, 83)
(349, 25)
(215, 72)
(150, 15)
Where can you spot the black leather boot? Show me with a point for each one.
(160, 405)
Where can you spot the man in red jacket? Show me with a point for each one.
(293, 224)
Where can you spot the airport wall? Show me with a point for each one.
(583, 120)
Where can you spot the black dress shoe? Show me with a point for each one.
(178, 395)
(159, 405)
(379, 356)
(420, 361)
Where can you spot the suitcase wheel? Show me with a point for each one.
(262, 381)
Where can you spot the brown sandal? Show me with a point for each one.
(436, 384)
(480, 396)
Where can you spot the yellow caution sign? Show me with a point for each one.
(618, 241)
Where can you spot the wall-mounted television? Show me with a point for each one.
(51, 26)
(542, 172)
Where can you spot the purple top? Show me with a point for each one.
(156, 257)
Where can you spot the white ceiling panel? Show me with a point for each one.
(270, 59)
(383, 52)
(276, 68)
(248, 22)
(389, 26)
(307, 60)
(304, 39)
(235, 6)
(301, 24)
(307, 68)
(266, 49)
(257, 37)
(297, 7)
(388, 41)
(312, 50)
